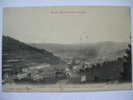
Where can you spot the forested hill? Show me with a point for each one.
(20, 54)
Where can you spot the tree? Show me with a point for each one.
(127, 74)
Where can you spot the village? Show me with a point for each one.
(75, 71)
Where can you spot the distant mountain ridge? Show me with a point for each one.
(102, 50)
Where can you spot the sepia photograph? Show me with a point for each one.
(66, 49)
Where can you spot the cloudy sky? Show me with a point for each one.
(67, 25)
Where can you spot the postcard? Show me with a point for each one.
(66, 48)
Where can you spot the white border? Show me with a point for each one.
(110, 95)
(21, 3)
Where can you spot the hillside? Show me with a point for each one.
(18, 54)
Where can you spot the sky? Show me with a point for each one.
(68, 24)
